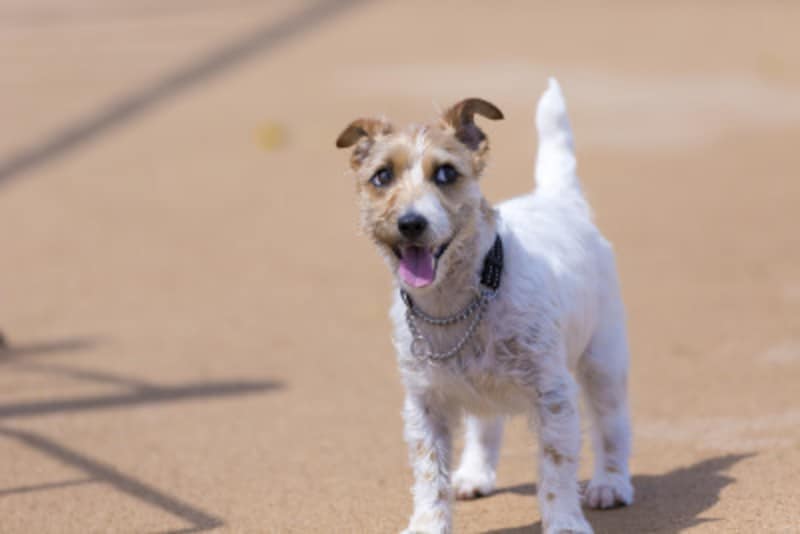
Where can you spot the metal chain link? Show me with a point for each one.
(422, 348)
(441, 321)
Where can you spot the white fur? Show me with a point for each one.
(429, 206)
(558, 315)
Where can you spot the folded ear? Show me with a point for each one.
(362, 133)
(359, 128)
(461, 117)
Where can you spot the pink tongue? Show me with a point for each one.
(416, 267)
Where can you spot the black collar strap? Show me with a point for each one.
(493, 265)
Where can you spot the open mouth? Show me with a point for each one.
(418, 264)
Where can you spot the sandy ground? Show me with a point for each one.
(198, 336)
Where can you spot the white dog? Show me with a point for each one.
(497, 310)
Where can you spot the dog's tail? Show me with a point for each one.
(555, 163)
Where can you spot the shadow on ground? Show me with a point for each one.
(99, 472)
(261, 41)
(133, 392)
(667, 503)
(10, 352)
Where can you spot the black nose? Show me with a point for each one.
(412, 225)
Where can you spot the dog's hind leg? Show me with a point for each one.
(603, 372)
(475, 476)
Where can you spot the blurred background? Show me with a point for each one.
(197, 337)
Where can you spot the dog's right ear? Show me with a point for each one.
(461, 117)
(362, 133)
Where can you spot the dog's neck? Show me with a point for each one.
(458, 284)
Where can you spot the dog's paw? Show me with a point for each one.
(427, 529)
(430, 521)
(472, 483)
(608, 492)
(568, 525)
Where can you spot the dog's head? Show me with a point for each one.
(418, 188)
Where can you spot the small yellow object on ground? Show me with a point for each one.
(271, 135)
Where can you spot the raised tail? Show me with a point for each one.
(555, 163)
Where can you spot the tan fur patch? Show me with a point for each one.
(555, 407)
(553, 454)
(511, 346)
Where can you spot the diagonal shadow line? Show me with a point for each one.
(10, 352)
(101, 377)
(184, 530)
(262, 40)
(101, 472)
(46, 486)
(140, 397)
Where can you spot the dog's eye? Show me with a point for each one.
(382, 177)
(446, 174)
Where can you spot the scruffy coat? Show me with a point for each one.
(557, 316)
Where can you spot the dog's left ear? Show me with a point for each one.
(362, 132)
(461, 117)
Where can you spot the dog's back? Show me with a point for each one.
(570, 264)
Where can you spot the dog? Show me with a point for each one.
(497, 311)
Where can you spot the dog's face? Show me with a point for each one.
(418, 188)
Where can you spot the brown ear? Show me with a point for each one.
(362, 128)
(362, 132)
(461, 117)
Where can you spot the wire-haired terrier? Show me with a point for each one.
(496, 309)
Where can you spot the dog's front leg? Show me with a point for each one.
(556, 413)
(427, 432)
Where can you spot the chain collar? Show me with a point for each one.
(490, 281)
